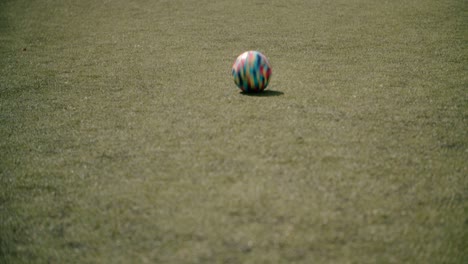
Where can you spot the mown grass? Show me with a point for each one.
(123, 138)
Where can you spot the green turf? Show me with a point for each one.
(123, 138)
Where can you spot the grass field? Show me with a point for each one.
(123, 138)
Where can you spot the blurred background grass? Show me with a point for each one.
(123, 138)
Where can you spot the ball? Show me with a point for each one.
(251, 71)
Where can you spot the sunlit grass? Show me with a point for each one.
(123, 138)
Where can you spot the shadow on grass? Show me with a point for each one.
(265, 93)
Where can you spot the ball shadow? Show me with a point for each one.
(264, 93)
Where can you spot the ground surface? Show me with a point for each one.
(123, 138)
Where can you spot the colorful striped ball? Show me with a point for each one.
(251, 71)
